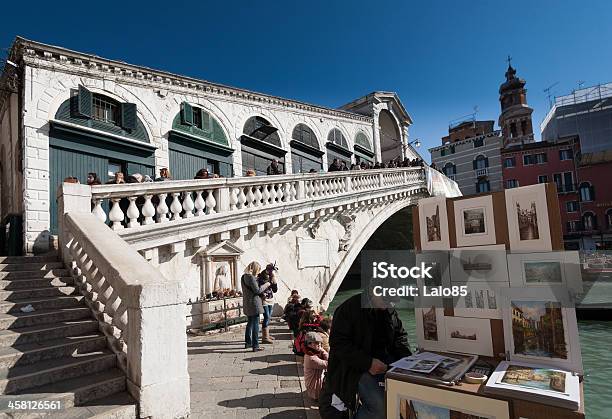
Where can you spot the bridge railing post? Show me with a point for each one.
(223, 199)
(381, 180)
(300, 190)
(348, 184)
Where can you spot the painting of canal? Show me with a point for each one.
(538, 378)
(537, 329)
(430, 324)
(527, 220)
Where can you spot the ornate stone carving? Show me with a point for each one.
(313, 229)
(348, 223)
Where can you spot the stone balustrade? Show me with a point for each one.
(129, 206)
(130, 298)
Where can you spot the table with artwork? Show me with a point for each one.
(516, 315)
(410, 399)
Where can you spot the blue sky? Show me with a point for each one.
(442, 58)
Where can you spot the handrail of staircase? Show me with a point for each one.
(141, 312)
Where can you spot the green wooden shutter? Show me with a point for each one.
(186, 113)
(128, 116)
(85, 105)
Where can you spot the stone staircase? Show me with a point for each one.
(56, 351)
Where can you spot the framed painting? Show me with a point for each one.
(433, 226)
(474, 221)
(479, 263)
(438, 260)
(540, 327)
(410, 401)
(546, 270)
(528, 224)
(430, 330)
(536, 383)
(469, 335)
(482, 300)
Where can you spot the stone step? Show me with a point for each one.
(87, 390)
(36, 266)
(52, 257)
(38, 292)
(29, 353)
(46, 332)
(17, 379)
(115, 406)
(18, 320)
(17, 284)
(44, 303)
(34, 274)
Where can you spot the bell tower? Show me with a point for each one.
(515, 118)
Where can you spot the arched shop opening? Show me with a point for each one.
(363, 149)
(196, 142)
(305, 151)
(337, 148)
(390, 136)
(260, 145)
(92, 132)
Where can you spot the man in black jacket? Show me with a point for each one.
(363, 342)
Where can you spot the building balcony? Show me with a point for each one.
(482, 172)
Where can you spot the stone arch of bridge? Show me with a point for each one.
(356, 247)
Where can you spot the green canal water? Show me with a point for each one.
(596, 343)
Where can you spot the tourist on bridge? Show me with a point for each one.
(164, 174)
(252, 303)
(274, 168)
(264, 277)
(335, 166)
(117, 179)
(202, 174)
(363, 341)
(93, 179)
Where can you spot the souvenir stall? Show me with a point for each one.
(508, 346)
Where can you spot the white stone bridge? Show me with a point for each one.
(312, 225)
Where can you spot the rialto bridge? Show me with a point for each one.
(139, 252)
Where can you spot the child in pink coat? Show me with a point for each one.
(315, 364)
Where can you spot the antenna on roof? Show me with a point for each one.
(580, 83)
(549, 94)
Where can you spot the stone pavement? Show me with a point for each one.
(228, 381)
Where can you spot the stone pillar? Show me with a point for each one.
(71, 197)
(376, 134)
(158, 376)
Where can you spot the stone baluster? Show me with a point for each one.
(210, 202)
(265, 194)
(148, 210)
(200, 205)
(281, 193)
(257, 195)
(98, 211)
(132, 212)
(175, 206)
(242, 199)
(250, 196)
(116, 214)
(162, 209)
(273, 194)
(233, 198)
(188, 205)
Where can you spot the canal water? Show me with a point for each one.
(596, 343)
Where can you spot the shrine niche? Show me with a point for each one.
(219, 269)
(220, 282)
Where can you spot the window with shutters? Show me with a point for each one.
(572, 206)
(542, 179)
(481, 162)
(566, 154)
(528, 159)
(541, 158)
(573, 226)
(449, 169)
(589, 221)
(586, 192)
(259, 128)
(509, 162)
(483, 186)
(105, 109)
(512, 183)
